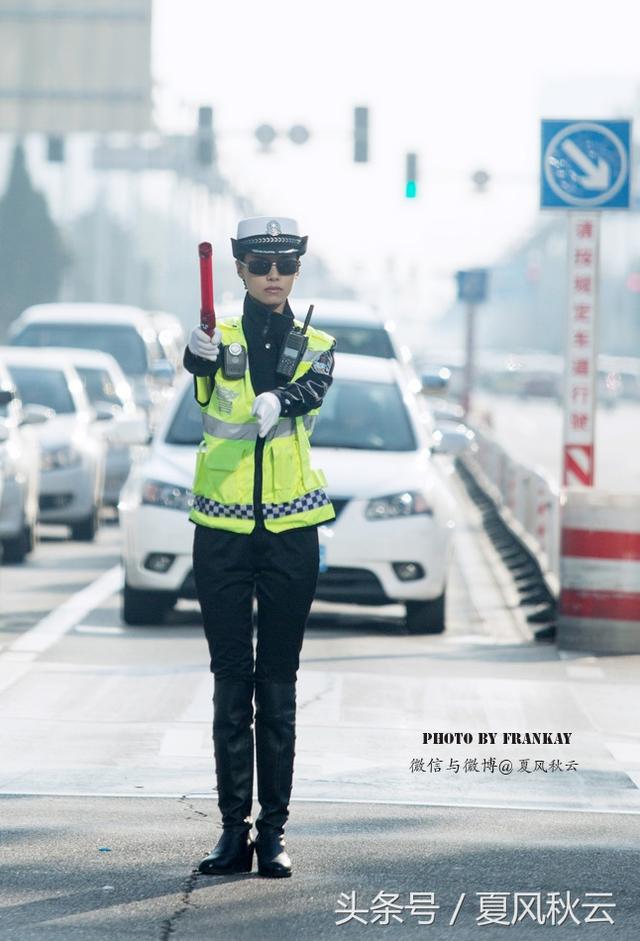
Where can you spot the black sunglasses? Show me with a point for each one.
(262, 266)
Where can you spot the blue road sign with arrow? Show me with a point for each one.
(585, 164)
(472, 285)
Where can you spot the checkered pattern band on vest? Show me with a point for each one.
(271, 511)
(236, 511)
(309, 501)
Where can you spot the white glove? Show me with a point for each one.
(266, 409)
(201, 344)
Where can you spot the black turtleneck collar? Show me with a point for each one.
(265, 333)
(263, 319)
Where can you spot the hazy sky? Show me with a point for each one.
(462, 83)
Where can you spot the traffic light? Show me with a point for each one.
(411, 176)
(361, 135)
(205, 140)
(55, 148)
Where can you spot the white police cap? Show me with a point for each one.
(268, 235)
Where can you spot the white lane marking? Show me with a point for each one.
(185, 743)
(97, 629)
(16, 659)
(51, 628)
(585, 673)
(477, 805)
(625, 753)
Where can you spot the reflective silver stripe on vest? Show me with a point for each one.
(240, 431)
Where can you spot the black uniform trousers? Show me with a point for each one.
(281, 569)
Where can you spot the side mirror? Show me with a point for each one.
(436, 381)
(36, 414)
(105, 411)
(163, 372)
(453, 438)
(129, 429)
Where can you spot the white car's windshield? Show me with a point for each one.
(123, 342)
(365, 415)
(361, 340)
(99, 386)
(186, 427)
(361, 415)
(43, 387)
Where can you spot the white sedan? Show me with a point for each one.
(119, 418)
(153, 510)
(72, 454)
(391, 541)
(19, 473)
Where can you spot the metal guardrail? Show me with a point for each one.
(525, 498)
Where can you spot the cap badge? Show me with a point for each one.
(274, 227)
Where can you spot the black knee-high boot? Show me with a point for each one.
(233, 748)
(275, 752)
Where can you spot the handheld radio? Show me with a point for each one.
(293, 349)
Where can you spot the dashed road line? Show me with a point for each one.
(17, 658)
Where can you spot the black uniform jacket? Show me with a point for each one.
(265, 333)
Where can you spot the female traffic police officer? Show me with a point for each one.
(257, 505)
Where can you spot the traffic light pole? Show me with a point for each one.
(470, 352)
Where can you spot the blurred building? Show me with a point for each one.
(130, 202)
(75, 66)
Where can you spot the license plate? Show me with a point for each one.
(323, 559)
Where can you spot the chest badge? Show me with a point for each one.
(225, 399)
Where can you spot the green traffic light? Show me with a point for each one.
(411, 189)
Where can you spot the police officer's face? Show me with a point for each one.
(271, 289)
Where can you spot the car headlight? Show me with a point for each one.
(57, 458)
(408, 503)
(170, 496)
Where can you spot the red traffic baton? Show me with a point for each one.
(207, 310)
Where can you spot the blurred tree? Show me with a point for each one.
(32, 253)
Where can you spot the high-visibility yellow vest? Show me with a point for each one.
(292, 491)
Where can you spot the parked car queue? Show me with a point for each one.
(69, 419)
(391, 540)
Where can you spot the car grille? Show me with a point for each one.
(357, 586)
(55, 501)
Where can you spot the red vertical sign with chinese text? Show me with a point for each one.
(581, 367)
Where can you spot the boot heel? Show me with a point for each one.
(273, 859)
(247, 862)
(230, 856)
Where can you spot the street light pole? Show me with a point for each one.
(470, 352)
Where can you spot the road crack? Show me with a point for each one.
(185, 802)
(169, 925)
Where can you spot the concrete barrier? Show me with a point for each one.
(599, 572)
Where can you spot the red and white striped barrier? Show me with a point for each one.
(599, 572)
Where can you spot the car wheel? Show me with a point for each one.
(30, 537)
(426, 617)
(140, 607)
(85, 530)
(17, 548)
